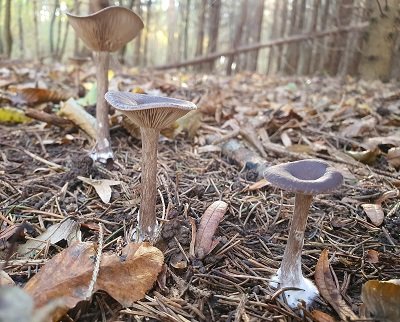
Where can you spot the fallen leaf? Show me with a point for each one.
(126, 278)
(359, 127)
(32, 96)
(208, 225)
(327, 288)
(320, 316)
(13, 115)
(67, 230)
(374, 213)
(102, 187)
(367, 156)
(393, 157)
(381, 299)
(5, 280)
(372, 256)
(258, 185)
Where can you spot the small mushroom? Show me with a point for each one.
(306, 178)
(105, 31)
(151, 114)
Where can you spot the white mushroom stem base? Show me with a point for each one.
(307, 290)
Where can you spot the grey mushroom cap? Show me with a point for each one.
(310, 176)
(108, 29)
(149, 110)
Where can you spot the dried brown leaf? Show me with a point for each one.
(320, 316)
(374, 213)
(32, 96)
(359, 127)
(394, 157)
(102, 187)
(372, 256)
(258, 185)
(381, 299)
(367, 156)
(327, 288)
(68, 274)
(208, 225)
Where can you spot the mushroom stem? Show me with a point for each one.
(291, 274)
(102, 150)
(147, 214)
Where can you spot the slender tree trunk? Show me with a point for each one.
(281, 64)
(172, 25)
(1, 41)
(8, 41)
(21, 31)
(379, 46)
(310, 51)
(292, 48)
(51, 29)
(122, 51)
(301, 46)
(323, 51)
(350, 44)
(146, 33)
(138, 40)
(77, 5)
(186, 30)
(255, 26)
(200, 27)
(238, 34)
(36, 29)
(274, 33)
(64, 41)
(213, 30)
(58, 44)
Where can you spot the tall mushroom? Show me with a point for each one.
(105, 31)
(151, 114)
(306, 178)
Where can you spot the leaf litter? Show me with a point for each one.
(247, 122)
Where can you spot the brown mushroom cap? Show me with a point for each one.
(108, 29)
(310, 176)
(148, 110)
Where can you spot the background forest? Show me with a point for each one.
(268, 36)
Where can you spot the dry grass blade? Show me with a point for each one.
(327, 288)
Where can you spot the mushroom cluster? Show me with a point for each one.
(151, 114)
(305, 178)
(105, 31)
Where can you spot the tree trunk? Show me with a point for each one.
(310, 51)
(291, 55)
(8, 41)
(238, 35)
(146, 34)
(255, 26)
(343, 18)
(282, 33)
(1, 41)
(302, 46)
(51, 29)
(20, 31)
(59, 43)
(213, 29)
(172, 24)
(138, 40)
(77, 5)
(320, 58)
(379, 45)
(200, 27)
(64, 41)
(36, 29)
(186, 30)
(274, 33)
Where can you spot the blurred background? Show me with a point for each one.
(283, 37)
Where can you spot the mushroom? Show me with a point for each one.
(151, 114)
(105, 31)
(306, 178)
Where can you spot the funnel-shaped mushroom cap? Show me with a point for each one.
(147, 110)
(108, 29)
(306, 176)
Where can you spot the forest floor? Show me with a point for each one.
(354, 125)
